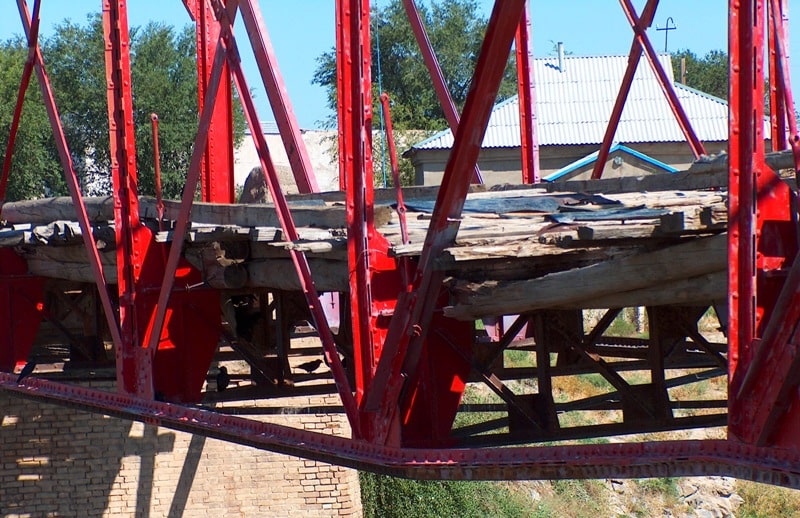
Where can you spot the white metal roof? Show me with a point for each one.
(573, 106)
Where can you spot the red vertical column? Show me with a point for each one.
(777, 112)
(527, 101)
(764, 307)
(356, 174)
(134, 364)
(217, 183)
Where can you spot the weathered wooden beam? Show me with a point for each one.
(101, 210)
(700, 290)
(47, 210)
(77, 272)
(647, 269)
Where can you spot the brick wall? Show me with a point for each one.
(57, 461)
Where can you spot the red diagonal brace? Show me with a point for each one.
(27, 71)
(282, 209)
(71, 179)
(435, 71)
(279, 99)
(414, 311)
(663, 79)
(634, 56)
(773, 372)
(181, 226)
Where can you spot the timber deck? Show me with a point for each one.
(519, 248)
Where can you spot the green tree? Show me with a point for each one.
(456, 31)
(35, 169)
(708, 74)
(164, 81)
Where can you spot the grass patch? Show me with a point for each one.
(384, 496)
(518, 358)
(578, 498)
(659, 486)
(763, 501)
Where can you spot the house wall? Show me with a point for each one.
(504, 165)
(59, 461)
(319, 144)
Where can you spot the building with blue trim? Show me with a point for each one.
(574, 100)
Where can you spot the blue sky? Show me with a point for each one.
(301, 30)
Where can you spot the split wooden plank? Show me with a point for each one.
(47, 210)
(696, 257)
(260, 215)
(700, 290)
(101, 210)
(76, 272)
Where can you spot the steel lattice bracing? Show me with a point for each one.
(408, 361)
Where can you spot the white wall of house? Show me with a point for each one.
(504, 165)
(320, 145)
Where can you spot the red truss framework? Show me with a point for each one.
(411, 363)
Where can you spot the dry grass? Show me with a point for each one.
(764, 501)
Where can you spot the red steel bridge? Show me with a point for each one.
(410, 363)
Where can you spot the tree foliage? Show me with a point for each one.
(35, 171)
(456, 31)
(708, 74)
(164, 81)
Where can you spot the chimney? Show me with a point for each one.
(561, 56)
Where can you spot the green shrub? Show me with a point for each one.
(384, 496)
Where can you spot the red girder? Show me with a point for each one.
(435, 71)
(412, 316)
(529, 141)
(411, 363)
(777, 113)
(279, 199)
(610, 460)
(634, 57)
(641, 44)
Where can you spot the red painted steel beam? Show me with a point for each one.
(663, 79)
(742, 207)
(217, 182)
(414, 311)
(355, 115)
(282, 208)
(27, 72)
(134, 363)
(634, 56)
(342, 22)
(763, 239)
(154, 330)
(781, 83)
(435, 71)
(612, 460)
(279, 99)
(527, 100)
(777, 114)
(71, 178)
(401, 206)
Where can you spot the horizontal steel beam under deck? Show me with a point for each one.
(636, 460)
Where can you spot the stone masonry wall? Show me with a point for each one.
(56, 461)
